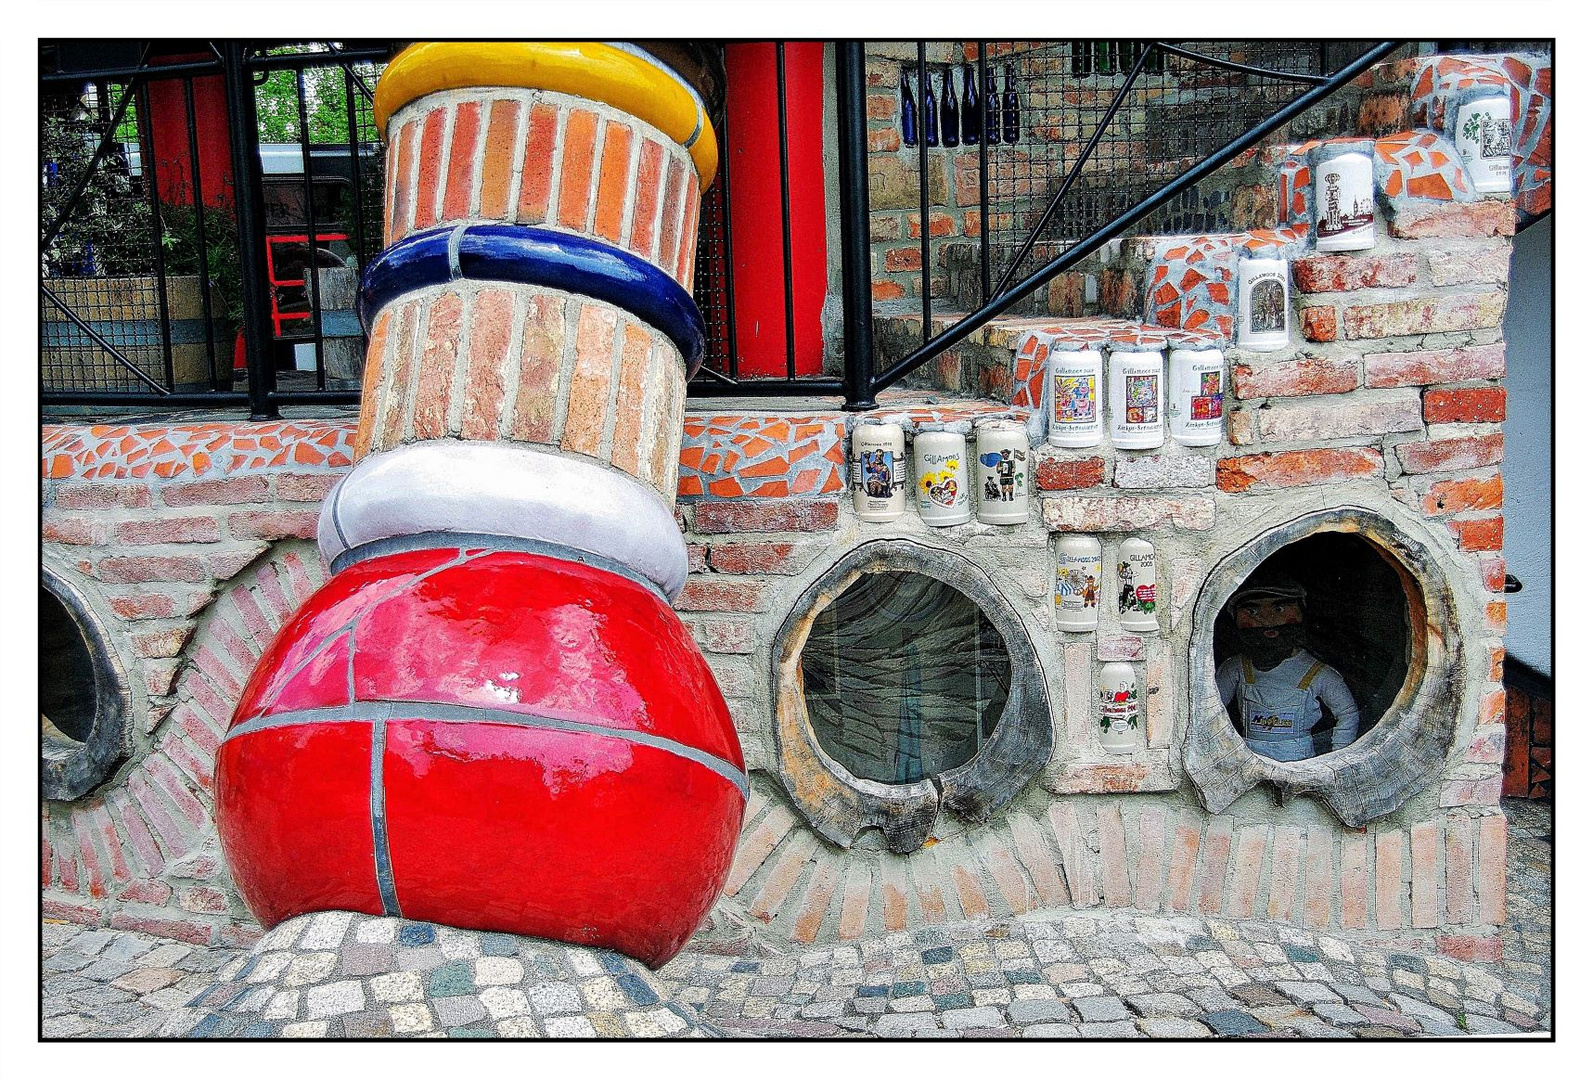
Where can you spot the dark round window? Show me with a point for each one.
(83, 700)
(904, 678)
(1352, 637)
(66, 675)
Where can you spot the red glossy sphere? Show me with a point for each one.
(486, 739)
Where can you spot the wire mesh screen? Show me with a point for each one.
(141, 284)
(710, 285)
(1178, 111)
(122, 301)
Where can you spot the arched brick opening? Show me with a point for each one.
(1400, 750)
(84, 703)
(840, 804)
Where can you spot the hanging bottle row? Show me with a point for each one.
(940, 474)
(1187, 387)
(946, 121)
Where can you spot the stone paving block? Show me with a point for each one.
(334, 999)
(460, 1010)
(1051, 1031)
(1335, 1013)
(907, 1025)
(126, 947)
(1039, 1010)
(1420, 1009)
(1162, 1027)
(1116, 1029)
(570, 1027)
(1163, 1004)
(1232, 1022)
(1486, 1025)
(1102, 1008)
(1306, 993)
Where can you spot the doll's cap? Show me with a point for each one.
(1279, 589)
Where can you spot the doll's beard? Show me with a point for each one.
(1268, 652)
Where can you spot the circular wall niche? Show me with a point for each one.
(1399, 645)
(905, 683)
(84, 704)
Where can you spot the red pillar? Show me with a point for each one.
(166, 151)
(756, 222)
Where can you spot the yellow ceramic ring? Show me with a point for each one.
(589, 69)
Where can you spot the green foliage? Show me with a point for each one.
(326, 103)
(179, 241)
(109, 230)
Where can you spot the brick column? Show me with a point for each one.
(489, 716)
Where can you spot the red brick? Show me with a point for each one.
(1067, 474)
(497, 164)
(1296, 378)
(725, 634)
(1114, 857)
(1496, 617)
(138, 834)
(305, 487)
(1454, 496)
(101, 496)
(197, 767)
(752, 557)
(575, 177)
(1352, 881)
(227, 490)
(1491, 869)
(274, 524)
(1318, 907)
(225, 564)
(187, 530)
(1472, 948)
(83, 531)
(429, 178)
(1297, 468)
(1285, 873)
(179, 929)
(73, 913)
(158, 643)
(1247, 855)
(1214, 866)
(939, 225)
(1422, 219)
(1482, 405)
(884, 140)
(1424, 875)
(202, 900)
(1344, 273)
(766, 515)
(163, 774)
(94, 871)
(614, 181)
(1444, 455)
(706, 594)
(124, 569)
(1445, 365)
(1320, 323)
(1312, 419)
(146, 892)
(1424, 315)
(1487, 745)
(903, 258)
(887, 290)
(1470, 267)
(537, 168)
(154, 811)
(462, 160)
(1481, 534)
(1493, 575)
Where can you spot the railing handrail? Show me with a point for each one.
(1081, 250)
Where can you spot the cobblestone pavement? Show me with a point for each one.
(1113, 975)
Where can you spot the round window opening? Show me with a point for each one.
(66, 677)
(904, 678)
(83, 700)
(1314, 646)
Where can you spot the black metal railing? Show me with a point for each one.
(205, 216)
(158, 289)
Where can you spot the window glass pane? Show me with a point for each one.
(904, 677)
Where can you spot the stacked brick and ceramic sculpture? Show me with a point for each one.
(489, 716)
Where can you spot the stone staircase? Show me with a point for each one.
(1186, 283)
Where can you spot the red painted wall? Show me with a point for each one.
(752, 154)
(165, 137)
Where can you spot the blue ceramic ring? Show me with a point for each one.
(525, 255)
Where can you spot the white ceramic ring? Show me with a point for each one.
(507, 490)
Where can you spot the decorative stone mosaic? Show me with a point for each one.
(770, 456)
(1441, 81)
(1419, 165)
(129, 451)
(338, 974)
